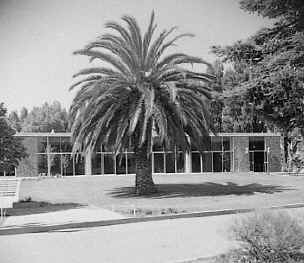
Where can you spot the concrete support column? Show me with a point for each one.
(188, 162)
(88, 162)
(275, 153)
(29, 166)
(241, 154)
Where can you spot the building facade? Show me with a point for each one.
(50, 154)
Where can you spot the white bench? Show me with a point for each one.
(9, 193)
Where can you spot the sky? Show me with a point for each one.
(38, 37)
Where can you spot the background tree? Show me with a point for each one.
(138, 89)
(273, 60)
(45, 118)
(23, 114)
(14, 121)
(217, 103)
(229, 110)
(11, 147)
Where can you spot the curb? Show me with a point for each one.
(77, 226)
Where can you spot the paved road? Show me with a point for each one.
(165, 241)
(159, 241)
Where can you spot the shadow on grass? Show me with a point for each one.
(34, 207)
(196, 190)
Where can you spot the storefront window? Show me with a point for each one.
(42, 144)
(55, 164)
(54, 144)
(196, 162)
(216, 143)
(207, 162)
(109, 164)
(67, 165)
(226, 143)
(121, 165)
(131, 163)
(79, 165)
(226, 162)
(217, 162)
(96, 163)
(42, 164)
(170, 163)
(180, 162)
(159, 163)
(65, 144)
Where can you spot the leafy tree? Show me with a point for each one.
(14, 121)
(230, 112)
(11, 147)
(141, 90)
(270, 65)
(217, 103)
(46, 118)
(23, 113)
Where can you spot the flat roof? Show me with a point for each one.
(69, 134)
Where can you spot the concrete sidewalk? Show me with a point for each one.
(170, 240)
(70, 216)
(163, 241)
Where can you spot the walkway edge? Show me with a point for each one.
(55, 228)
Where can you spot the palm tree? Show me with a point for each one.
(138, 93)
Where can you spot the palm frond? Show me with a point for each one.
(138, 89)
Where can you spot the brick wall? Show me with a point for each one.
(241, 155)
(29, 166)
(275, 154)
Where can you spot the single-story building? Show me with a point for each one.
(50, 154)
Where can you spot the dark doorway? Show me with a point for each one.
(257, 161)
(257, 154)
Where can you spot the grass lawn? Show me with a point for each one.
(177, 193)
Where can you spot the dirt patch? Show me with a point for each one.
(29, 207)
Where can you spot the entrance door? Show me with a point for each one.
(257, 154)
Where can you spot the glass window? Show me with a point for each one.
(42, 164)
(216, 143)
(79, 165)
(180, 162)
(170, 163)
(55, 164)
(227, 162)
(67, 164)
(121, 166)
(251, 161)
(217, 162)
(226, 143)
(157, 146)
(96, 163)
(159, 163)
(207, 162)
(131, 163)
(196, 162)
(66, 144)
(42, 144)
(97, 148)
(206, 143)
(194, 146)
(109, 164)
(54, 144)
(107, 149)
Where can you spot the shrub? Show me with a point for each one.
(268, 237)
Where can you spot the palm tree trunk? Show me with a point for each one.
(144, 184)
